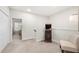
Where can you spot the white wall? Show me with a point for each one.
(29, 23)
(4, 27)
(63, 25)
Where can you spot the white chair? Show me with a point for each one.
(70, 46)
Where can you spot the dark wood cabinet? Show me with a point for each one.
(48, 33)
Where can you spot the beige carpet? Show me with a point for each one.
(31, 46)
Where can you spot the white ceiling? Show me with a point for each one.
(41, 10)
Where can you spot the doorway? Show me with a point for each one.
(48, 33)
(16, 29)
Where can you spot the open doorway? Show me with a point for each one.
(16, 29)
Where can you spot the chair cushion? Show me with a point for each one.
(68, 46)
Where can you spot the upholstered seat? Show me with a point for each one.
(68, 46)
(72, 46)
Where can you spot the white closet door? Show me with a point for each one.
(4, 29)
